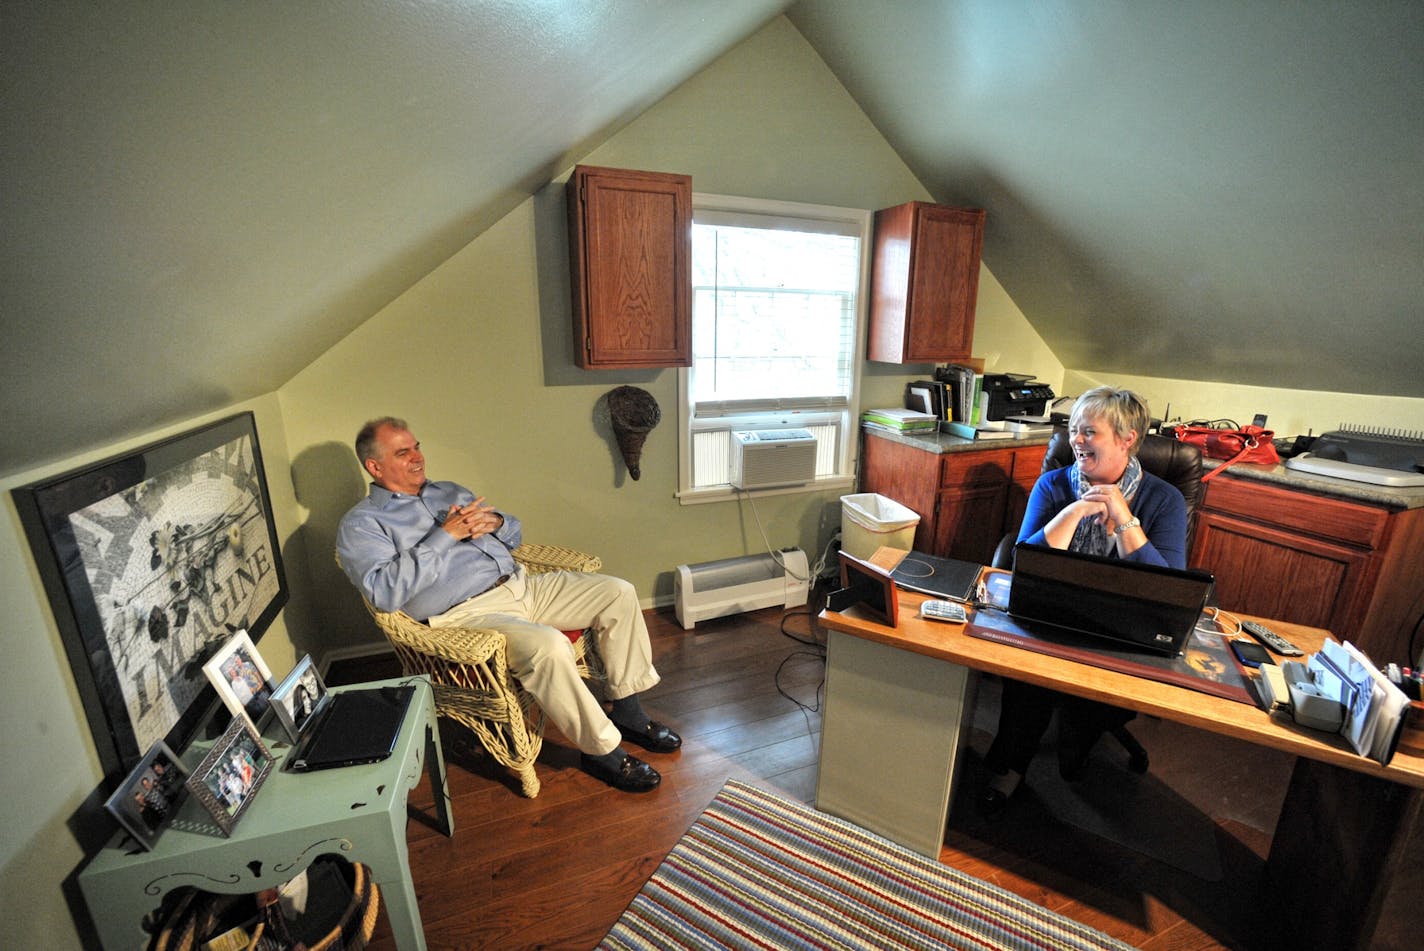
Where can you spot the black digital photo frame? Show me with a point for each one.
(151, 561)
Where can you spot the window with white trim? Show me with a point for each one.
(777, 334)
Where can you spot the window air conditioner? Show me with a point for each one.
(769, 458)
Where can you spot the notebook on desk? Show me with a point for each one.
(936, 576)
(1149, 607)
(352, 727)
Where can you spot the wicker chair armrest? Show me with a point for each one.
(541, 558)
(455, 645)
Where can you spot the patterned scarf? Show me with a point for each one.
(1091, 536)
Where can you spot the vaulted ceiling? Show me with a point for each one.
(1226, 191)
(199, 198)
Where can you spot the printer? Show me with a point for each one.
(1014, 394)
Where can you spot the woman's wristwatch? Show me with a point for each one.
(1126, 525)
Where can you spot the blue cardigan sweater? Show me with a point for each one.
(1158, 504)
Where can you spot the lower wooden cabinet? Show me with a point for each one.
(1354, 568)
(966, 500)
(1351, 567)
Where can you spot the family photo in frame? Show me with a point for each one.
(241, 678)
(228, 778)
(148, 798)
(299, 695)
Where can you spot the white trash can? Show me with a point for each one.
(870, 521)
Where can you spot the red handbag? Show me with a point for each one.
(1247, 444)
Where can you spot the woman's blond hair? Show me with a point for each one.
(1124, 411)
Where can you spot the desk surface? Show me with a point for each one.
(952, 642)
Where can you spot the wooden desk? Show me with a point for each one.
(899, 701)
(358, 812)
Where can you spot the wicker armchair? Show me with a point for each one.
(473, 685)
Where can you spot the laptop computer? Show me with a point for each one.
(1147, 607)
(938, 577)
(352, 727)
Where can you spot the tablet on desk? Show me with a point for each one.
(944, 578)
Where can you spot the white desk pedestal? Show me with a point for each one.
(894, 724)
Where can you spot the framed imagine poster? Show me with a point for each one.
(152, 560)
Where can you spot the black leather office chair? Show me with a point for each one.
(1168, 459)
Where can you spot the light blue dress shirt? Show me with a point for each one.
(392, 547)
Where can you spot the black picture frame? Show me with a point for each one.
(151, 560)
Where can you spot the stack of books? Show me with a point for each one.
(905, 421)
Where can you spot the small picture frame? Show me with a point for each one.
(150, 795)
(300, 694)
(241, 678)
(228, 778)
(869, 586)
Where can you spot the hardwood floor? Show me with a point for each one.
(558, 870)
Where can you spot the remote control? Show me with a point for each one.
(951, 611)
(1271, 639)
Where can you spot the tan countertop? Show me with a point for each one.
(943, 442)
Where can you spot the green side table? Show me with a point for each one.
(358, 812)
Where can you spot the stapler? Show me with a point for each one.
(1311, 704)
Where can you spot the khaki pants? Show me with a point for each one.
(533, 611)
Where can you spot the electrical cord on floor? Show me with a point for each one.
(817, 653)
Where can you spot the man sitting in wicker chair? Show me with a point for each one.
(436, 551)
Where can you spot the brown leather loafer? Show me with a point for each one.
(632, 775)
(654, 737)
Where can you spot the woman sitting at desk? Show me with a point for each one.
(1103, 504)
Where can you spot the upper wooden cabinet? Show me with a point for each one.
(630, 251)
(924, 283)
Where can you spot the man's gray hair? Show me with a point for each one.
(366, 438)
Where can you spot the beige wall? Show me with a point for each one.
(1288, 412)
(50, 793)
(478, 355)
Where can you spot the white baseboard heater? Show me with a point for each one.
(733, 585)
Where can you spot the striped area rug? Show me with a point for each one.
(759, 871)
